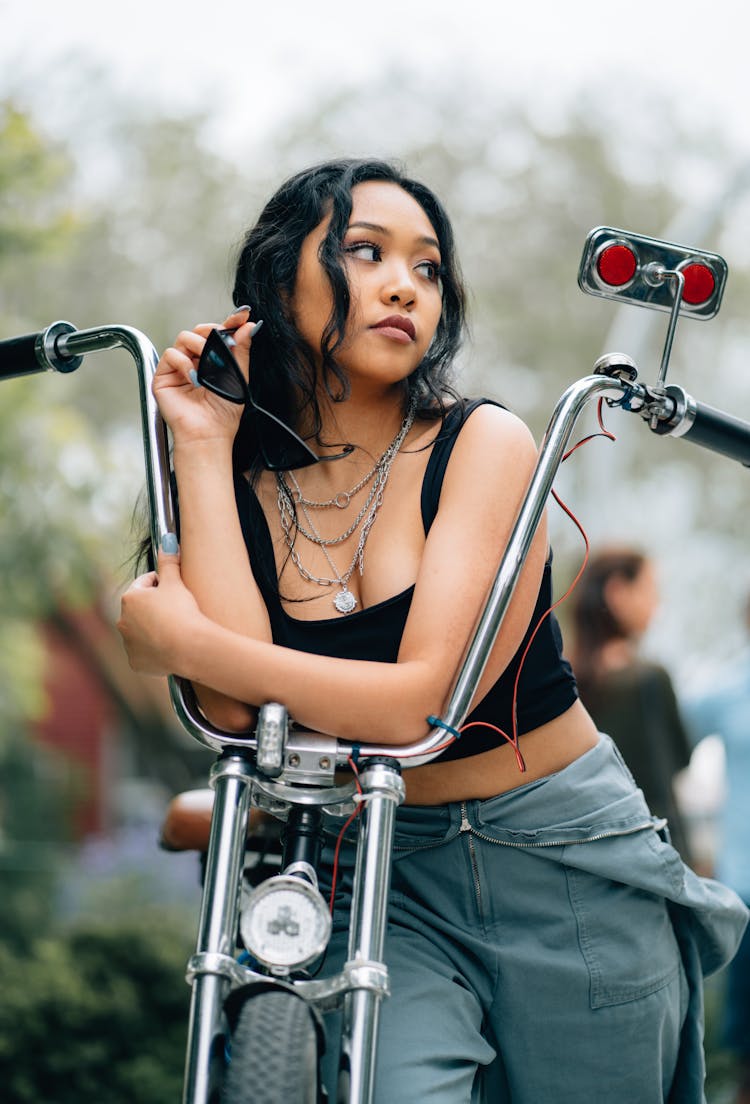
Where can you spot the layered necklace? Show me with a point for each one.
(289, 499)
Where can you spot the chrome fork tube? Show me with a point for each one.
(383, 792)
(217, 927)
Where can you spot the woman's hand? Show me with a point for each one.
(158, 617)
(192, 412)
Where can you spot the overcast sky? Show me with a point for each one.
(251, 65)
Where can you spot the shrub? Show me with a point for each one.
(97, 1014)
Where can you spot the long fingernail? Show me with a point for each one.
(170, 544)
(256, 327)
(244, 307)
(193, 374)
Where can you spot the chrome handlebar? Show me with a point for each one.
(668, 410)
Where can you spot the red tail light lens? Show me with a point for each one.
(616, 265)
(700, 283)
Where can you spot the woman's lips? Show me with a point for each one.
(397, 327)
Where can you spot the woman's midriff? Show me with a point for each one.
(546, 749)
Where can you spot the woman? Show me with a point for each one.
(348, 590)
(630, 698)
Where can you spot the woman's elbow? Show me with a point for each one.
(397, 728)
(225, 713)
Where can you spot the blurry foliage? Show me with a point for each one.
(48, 547)
(97, 1014)
(42, 555)
(37, 799)
(64, 506)
(34, 214)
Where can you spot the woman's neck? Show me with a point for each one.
(370, 423)
(617, 654)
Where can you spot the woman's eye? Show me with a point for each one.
(429, 269)
(366, 251)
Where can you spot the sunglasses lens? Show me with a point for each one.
(279, 446)
(219, 372)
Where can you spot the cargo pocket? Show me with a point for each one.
(626, 938)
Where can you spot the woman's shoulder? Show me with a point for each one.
(486, 428)
(643, 674)
(472, 417)
(473, 429)
(482, 458)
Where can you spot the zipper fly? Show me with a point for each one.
(467, 827)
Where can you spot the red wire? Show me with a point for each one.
(513, 740)
(339, 841)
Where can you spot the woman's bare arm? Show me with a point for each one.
(359, 700)
(214, 561)
(215, 565)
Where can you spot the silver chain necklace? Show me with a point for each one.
(286, 495)
(343, 498)
(344, 601)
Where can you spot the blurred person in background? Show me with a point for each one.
(724, 711)
(630, 698)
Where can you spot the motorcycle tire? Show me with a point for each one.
(274, 1052)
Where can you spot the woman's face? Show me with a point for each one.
(392, 262)
(633, 603)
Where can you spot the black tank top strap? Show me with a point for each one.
(441, 454)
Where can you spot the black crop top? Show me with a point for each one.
(546, 687)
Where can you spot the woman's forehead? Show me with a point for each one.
(384, 203)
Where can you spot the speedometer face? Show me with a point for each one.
(285, 922)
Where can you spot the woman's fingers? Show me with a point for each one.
(180, 361)
(168, 563)
(157, 616)
(145, 582)
(238, 317)
(168, 568)
(233, 321)
(192, 341)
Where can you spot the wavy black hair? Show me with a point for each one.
(595, 622)
(283, 374)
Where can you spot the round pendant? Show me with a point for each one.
(345, 601)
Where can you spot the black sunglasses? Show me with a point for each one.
(279, 446)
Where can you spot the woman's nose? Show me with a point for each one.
(399, 285)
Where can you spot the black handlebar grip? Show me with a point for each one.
(704, 425)
(38, 352)
(18, 356)
(720, 432)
